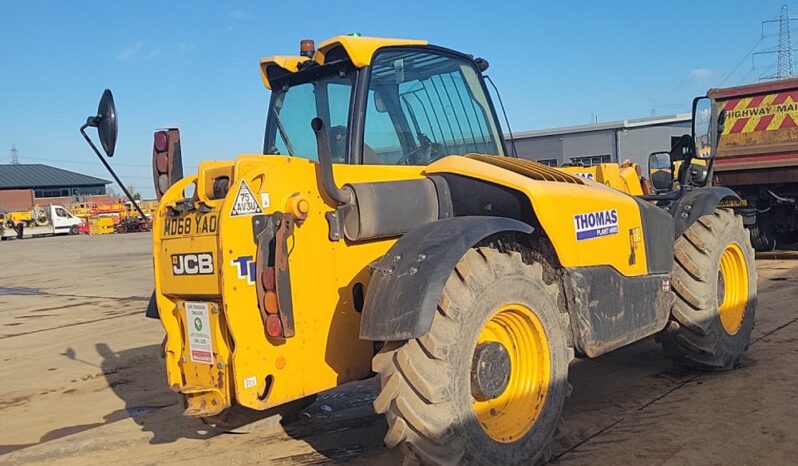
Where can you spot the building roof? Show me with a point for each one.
(619, 124)
(24, 176)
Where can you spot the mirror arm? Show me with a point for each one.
(92, 121)
(669, 196)
(684, 170)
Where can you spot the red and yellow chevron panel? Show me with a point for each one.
(767, 112)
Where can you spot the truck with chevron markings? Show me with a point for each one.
(758, 157)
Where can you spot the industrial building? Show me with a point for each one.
(613, 141)
(25, 185)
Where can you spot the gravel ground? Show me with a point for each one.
(83, 382)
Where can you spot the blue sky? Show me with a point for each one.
(195, 64)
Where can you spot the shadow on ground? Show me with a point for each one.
(137, 376)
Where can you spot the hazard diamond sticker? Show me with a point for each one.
(245, 203)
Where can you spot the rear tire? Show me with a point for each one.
(714, 280)
(240, 420)
(428, 392)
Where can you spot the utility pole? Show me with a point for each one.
(783, 51)
(14, 158)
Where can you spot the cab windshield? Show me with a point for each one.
(423, 105)
(420, 105)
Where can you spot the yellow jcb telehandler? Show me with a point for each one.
(388, 228)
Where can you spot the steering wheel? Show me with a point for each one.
(423, 154)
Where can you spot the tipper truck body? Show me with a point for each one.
(758, 157)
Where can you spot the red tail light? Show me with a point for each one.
(274, 328)
(167, 160)
(161, 141)
(273, 282)
(267, 278)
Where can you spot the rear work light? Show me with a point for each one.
(167, 160)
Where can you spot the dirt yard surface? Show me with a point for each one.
(82, 382)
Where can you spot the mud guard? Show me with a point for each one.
(152, 308)
(408, 280)
(696, 203)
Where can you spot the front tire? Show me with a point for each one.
(487, 383)
(714, 280)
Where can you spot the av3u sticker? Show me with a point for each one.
(245, 203)
(596, 224)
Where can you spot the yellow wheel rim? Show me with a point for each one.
(732, 288)
(509, 416)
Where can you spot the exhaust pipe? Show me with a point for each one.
(325, 164)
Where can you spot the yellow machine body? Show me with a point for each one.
(326, 351)
(101, 225)
(624, 177)
(259, 372)
(240, 363)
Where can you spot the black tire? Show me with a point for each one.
(696, 336)
(761, 238)
(426, 392)
(240, 420)
(74, 230)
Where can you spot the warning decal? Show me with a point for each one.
(199, 333)
(245, 203)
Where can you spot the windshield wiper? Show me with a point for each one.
(283, 133)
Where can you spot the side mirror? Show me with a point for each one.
(105, 122)
(660, 171)
(703, 141)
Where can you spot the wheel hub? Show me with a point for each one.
(732, 288)
(490, 371)
(513, 392)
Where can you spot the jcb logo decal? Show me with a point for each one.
(200, 263)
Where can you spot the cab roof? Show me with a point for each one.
(358, 49)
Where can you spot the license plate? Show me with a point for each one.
(198, 329)
(192, 224)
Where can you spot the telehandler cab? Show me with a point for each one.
(386, 227)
